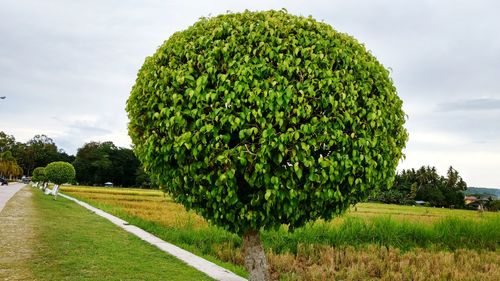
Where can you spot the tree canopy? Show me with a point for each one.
(100, 162)
(259, 119)
(7, 142)
(60, 172)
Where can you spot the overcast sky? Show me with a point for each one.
(67, 68)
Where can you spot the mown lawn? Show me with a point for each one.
(67, 242)
(371, 241)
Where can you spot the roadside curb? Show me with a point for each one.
(201, 264)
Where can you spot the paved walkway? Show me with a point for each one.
(7, 191)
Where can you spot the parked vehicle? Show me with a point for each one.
(4, 181)
(25, 180)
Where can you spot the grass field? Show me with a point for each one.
(415, 214)
(371, 241)
(59, 240)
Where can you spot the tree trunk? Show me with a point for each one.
(255, 257)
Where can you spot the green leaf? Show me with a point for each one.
(268, 194)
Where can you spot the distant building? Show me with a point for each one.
(474, 202)
(108, 184)
(420, 202)
(470, 199)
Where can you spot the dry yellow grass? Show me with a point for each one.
(151, 205)
(320, 262)
(376, 263)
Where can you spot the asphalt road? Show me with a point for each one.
(7, 191)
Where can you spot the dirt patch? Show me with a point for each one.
(17, 237)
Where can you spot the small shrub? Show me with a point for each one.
(60, 172)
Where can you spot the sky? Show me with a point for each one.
(67, 67)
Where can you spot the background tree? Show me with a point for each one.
(65, 157)
(39, 175)
(144, 180)
(100, 162)
(454, 188)
(25, 157)
(8, 165)
(60, 172)
(124, 166)
(92, 162)
(44, 149)
(38, 152)
(260, 119)
(7, 142)
(427, 185)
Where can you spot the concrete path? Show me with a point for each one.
(207, 267)
(7, 191)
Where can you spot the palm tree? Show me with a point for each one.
(8, 165)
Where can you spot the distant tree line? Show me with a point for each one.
(99, 162)
(425, 184)
(23, 158)
(95, 162)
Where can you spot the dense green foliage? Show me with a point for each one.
(426, 184)
(39, 175)
(60, 172)
(100, 162)
(263, 118)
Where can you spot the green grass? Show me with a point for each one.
(447, 234)
(75, 244)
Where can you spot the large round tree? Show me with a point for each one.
(60, 172)
(259, 119)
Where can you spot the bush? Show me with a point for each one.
(60, 172)
(39, 175)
